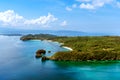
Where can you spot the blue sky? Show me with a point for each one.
(76, 15)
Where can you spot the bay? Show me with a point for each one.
(18, 62)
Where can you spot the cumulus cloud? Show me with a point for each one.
(87, 6)
(94, 4)
(71, 7)
(11, 18)
(64, 23)
(43, 20)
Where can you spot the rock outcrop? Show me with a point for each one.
(40, 53)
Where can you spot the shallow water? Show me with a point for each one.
(18, 62)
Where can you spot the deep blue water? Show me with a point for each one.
(18, 62)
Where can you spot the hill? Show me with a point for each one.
(11, 31)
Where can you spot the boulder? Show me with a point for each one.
(44, 58)
(38, 55)
(41, 51)
(49, 51)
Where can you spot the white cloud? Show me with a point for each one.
(94, 4)
(10, 18)
(71, 8)
(68, 8)
(43, 20)
(64, 23)
(86, 6)
(83, 0)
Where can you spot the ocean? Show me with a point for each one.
(18, 62)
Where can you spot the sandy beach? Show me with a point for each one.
(68, 48)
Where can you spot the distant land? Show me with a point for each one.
(10, 31)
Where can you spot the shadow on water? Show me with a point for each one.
(67, 64)
(89, 70)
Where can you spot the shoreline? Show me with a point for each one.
(60, 44)
(68, 48)
(98, 48)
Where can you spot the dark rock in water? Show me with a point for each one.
(38, 55)
(44, 58)
(41, 51)
(61, 45)
(49, 51)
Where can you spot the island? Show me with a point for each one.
(84, 48)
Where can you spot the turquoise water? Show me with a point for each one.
(18, 62)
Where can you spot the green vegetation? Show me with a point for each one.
(88, 48)
(37, 36)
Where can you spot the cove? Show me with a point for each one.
(18, 62)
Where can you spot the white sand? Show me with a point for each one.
(60, 44)
(68, 48)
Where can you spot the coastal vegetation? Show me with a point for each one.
(85, 48)
(37, 37)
